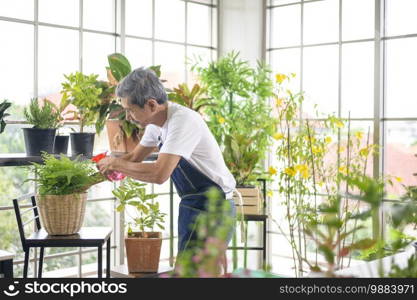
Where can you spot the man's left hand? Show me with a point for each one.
(107, 164)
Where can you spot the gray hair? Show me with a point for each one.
(140, 86)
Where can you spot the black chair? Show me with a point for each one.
(86, 237)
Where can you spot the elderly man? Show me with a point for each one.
(189, 153)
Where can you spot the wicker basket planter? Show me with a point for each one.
(62, 214)
(143, 253)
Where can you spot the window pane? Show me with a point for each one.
(63, 12)
(19, 9)
(287, 61)
(321, 22)
(358, 19)
(58, 55)
(400, 84)
(400, 150)
(96, 49)
(16, 62)
(196, 54)
(279, 2)
(171, 58)
(99, 19)
(139, 52)
(321, 78)
(170, 20)
(139, 18)
(358, 80)
(401, 17)
(198, 24)
(285, 26)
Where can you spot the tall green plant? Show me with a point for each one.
(3, 107)
(241, 118)
(194, 99)
(83, 92)
(45, 117)
(148, 214)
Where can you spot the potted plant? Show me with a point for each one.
(83, 92)
(143, 248)
(41, 137)
(240, 119)
(62, 194)
(194, 99)
(3, 107)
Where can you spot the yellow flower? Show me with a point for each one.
(399, 179)
(278, 136)
(339, 124)
(342, 149)
(290, 171)
(308, 138)
(293, 75)
(270, 193)
(364, 152)
(279, 102)
(221, 120)
(343, 169)
(272, 171)
(359, 135)
(316, 150)
(280, 78)
(321, 183)
(328, 139)
(303, 170)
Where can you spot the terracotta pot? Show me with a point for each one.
(143, 253)
(62, 214)
(118, 141)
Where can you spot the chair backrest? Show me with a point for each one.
(19, 213)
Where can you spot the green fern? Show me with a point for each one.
(45, 117)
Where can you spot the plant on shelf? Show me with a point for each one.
(62, 196)
(3, 107)
(194, 99)
(83, 92)
(143, 244)
(45, 121)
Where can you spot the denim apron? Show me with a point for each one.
(191, 186)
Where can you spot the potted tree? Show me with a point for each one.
(143, 248)
(240, 119)
(41, 137)
(83, 92)
(62, 196)
(3, 107)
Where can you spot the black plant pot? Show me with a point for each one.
(61, 144)
(39, 140)
(82, 143)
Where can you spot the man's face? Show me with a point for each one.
(140, 116)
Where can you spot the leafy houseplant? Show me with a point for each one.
(143, 247)
(194, 99)
(62, 192)
(83, 92)
(45, 122)
(3, 107)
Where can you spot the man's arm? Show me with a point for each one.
(157, 172)
(138, 154)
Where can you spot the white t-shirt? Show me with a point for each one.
(185, 133)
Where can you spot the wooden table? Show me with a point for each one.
(121, 271)
(6, 264)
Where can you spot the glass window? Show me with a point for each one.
(170, 20)
(99, 15)
(320, 78)
(287, 61)
(139, 52)
(16, 62)
(401, 64)
(139, 18)
(196, 54)
(96, 49)
(58, 55)
(171, 58)
(286, 26)
(19, 9)
(400, 17)
(358, 80)
(63, 12)
(280, 2)
(358, 19)
(198, 24)
(321, 21)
